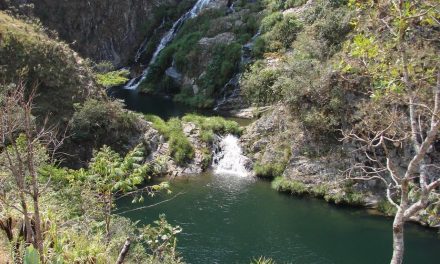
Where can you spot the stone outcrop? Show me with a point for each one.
(278, 138)
(159, 150)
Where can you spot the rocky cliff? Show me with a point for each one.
(101, 30)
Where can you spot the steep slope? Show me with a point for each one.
(28, 54)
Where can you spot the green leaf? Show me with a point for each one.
(31, 256)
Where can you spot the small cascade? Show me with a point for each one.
(229, 159)
(166, 39)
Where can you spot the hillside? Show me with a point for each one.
(29, 55)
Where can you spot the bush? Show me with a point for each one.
(102, 121)
(257, 85)
(385, 207)
(29, 54)
(294, 3)
(269, 170)
(345, 197)
(283, 33)
(282, 184)
(213, 125)
(113, 78)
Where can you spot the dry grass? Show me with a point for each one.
(5, 258)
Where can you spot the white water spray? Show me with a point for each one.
(230, 160)
(166, 39)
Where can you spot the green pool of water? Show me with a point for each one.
(228, 219)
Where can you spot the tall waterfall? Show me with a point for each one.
(166, 39)
(229, 158)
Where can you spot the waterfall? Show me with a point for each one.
(229, 159)
(166, 39)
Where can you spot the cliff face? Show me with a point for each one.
(101, 29)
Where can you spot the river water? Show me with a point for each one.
(231, 218)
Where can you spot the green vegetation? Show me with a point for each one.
(70, 216)
(263, 260)
(210, 66)
(113, 78)
(269, 170)
(386, 208)
(164, 14)
(100, 122)
(303, 78)
(181, 149)
(343, 195)
(282, 184)
(213, 125)
(29, 55)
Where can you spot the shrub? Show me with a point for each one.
(213, 125)
(294, 3)
(113, 78)
(295, 187)
(102, 121)
(225, 61)
(257, 84)
(386, 208)
(269, 170)
(345, 197)
(283, 33)
(268, 22)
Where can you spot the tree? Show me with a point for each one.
(398, 130)
(24, 148)
(111, 177)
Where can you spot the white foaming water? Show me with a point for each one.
(230, 160)
(166, 39)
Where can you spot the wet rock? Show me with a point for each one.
(174, 74)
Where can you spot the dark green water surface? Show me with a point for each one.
(149, 104)
(161, 106)
(228, 219)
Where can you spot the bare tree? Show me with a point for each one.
(23, 149)
(395, 48)
(382, 165)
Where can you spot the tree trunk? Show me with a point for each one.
(107, 213)
(398, 234)
(124, 251)
(27, 222)
(38, 233)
